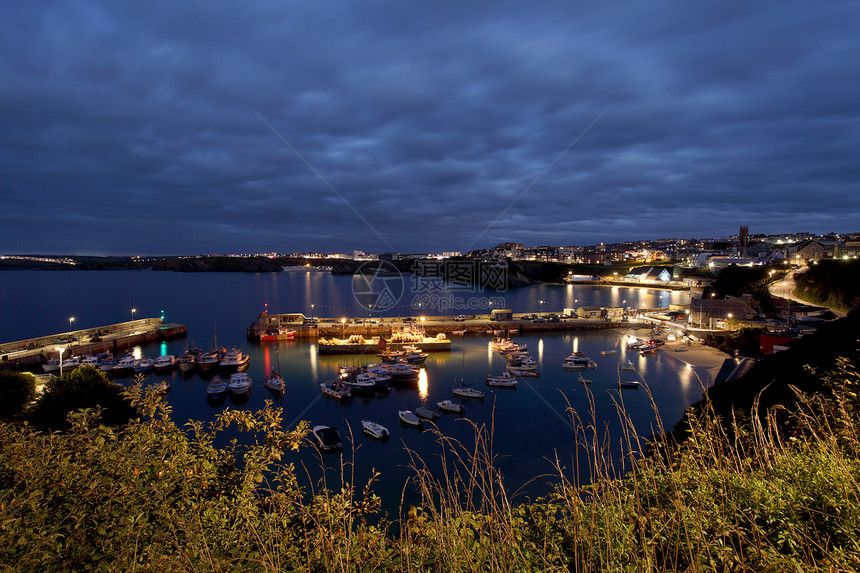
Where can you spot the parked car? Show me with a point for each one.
(529, 317)
(460, 318)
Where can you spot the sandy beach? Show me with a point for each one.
(704, 359)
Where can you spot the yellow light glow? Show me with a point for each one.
(423, 384)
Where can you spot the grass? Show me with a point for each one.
(780, 493)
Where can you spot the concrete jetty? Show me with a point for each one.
(110, 338)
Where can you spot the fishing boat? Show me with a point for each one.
(124, 366)
(143, 365)
(274, 383)
(164, 363)
(277, 333)
(413, 355)
(216, 388)
(187, 362)
(210, 360)
(234, 360)
(409, 418)
(426, 413)
(107, 364)
(503, 380)
(360, 381)
(240, 383)
(327, 438)
(468, 392)
(336, 390)
(374, 430)
(449, 406)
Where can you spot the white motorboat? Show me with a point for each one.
(374, 430)
(124, 366)
(628, 383)
(360, 381)
(274, 383)
(335, 389)
(240, 383)
(426, 413)
(327, 438)
(107, 364)
(216, 388)
(409, 418)
(234, 360)
(143, 365)
(517, 371)
(468, 392)
(503, 380)
(570, 365)
(449, 406)
(523, 363)
(164, 363)
(209, 360)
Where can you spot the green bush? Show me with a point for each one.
(17, 389)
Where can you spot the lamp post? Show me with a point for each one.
(134, 310)
(60, 350)
(71, 320)
(342, 327)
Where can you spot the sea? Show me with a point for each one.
(545, 425)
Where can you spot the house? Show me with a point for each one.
(501, 314)
(589, 312)
(713, 313)
(649, 274)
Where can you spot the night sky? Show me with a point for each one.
(164, 127)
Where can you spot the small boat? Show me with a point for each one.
(327, 438)
(570, 365)
(90, 360)
(517, 371)
(468, 392)
(163, 387)
(234, 360)
(360, 381)
(187, 362)
(164, 363)
(523, 362)
(681, 349)
(274, 383)
(107, 364)
(335, 389)
(278, 333)
(426, 413)
(608, 352)
(584, 380)
(459, 332)
(143, 365)
(591, 364)
(124, 366)
(449, 406)
(628, 383)
(409, 418)
(503, 380)
(209, 360)
(628, 366)
(374, 430)
(413, 355)
(216, 388)
(240, 383)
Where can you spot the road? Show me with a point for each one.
(784, 288)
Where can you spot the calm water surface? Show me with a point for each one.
(531, 423)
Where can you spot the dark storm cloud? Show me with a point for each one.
(134, 127)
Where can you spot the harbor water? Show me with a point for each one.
(531, 424)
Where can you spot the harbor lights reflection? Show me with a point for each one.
(137, 352)
(315, 363)
(423, 384)
(60, 349)
(540, 351)
(267, 360)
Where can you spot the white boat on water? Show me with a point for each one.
(234, 360)
(628, 384)
(628, 366)
(335, 389)
(164, 363)
(517, 371)
(274, 383)
(409, 418)
(143, 365)
(124, 366)
(327, 438)
(449, 406)
(374, 430)
(468, 392)
(503, 380)
(209, 360)
(240, 383)
(426, 413)
(571, 365)
(107, 364)
(216, 388)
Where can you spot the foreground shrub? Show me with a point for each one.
(17, 389)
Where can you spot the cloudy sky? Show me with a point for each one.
(166, 127)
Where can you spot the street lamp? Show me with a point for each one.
(342, 327)
(134, 310)
(71, 320)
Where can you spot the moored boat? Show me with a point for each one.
(143, 365)
(335, 389)
(516, 371)
(468, 392)
(274, 382)
(571, 365)
(216, 388)
(187, 362)
(374, 430)
(234, 360)
(240, 383)
(628, 384)
(449, 406)
(327, 438)
(628, 366)
(409, 418)
(426, 413)
(278, 333)
(503, 380)
(583, 380)
(124, 366)
(210, 360)
(608, 352)
(164, 363)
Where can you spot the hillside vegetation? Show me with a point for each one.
(778, 491)
(831, 283)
